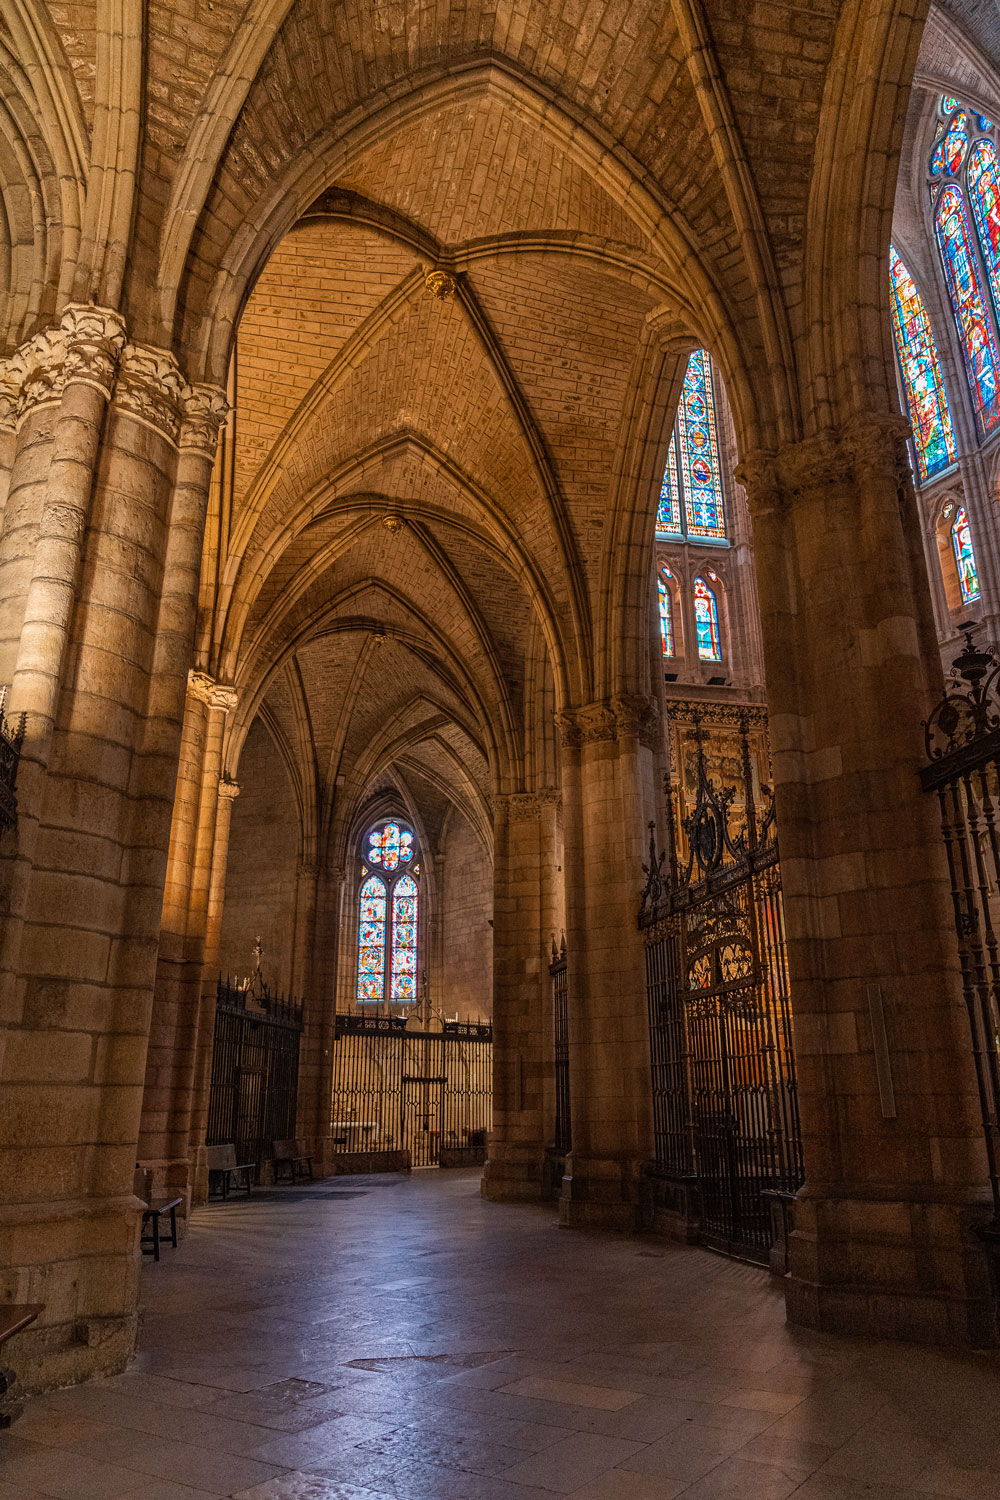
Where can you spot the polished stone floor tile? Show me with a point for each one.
(416, 1343)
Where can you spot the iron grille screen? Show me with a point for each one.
(255, 1073)
(427, 1093)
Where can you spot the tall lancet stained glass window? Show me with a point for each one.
(706, 621)
(666, 611)
(388, 917)
(965, 557)
(691, 502)
(926, 401)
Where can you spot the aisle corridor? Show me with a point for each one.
(400, 1338)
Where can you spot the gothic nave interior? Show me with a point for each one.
(490, 501)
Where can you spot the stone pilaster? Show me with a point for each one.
(523, 1084)
(895, 1174)
(608, 751)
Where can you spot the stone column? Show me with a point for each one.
(523, 1042)
(179, 1055)
(883, 1242)
(608, 775)
(93, 677)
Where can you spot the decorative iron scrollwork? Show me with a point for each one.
(971, 710)
(11, 740)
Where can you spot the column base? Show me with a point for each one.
(515, 1174)
(81, 1261)
(600, 1193)
(892, 1269)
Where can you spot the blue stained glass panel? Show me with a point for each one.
(405, 917)
(984, 191)
(668, 512)
(927, 403)
(975, 326)
(706, 620)
(371, 940)
(949, 153)
(698, 448)
(965, 557)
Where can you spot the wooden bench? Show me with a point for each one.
(226, 1171)
(152, 1213)
(13, 1317)
(287, 1157)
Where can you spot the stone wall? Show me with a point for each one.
(261, 872)
(467, 931)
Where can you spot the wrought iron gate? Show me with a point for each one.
(428, 1093)
(562, 1136)
(255, 1071)
(963, 750)
(724, 1096)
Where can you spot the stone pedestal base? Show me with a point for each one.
(514, 1174)
(81, 1260)
(600, 1193)
(892, 1269)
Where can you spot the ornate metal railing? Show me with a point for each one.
(255, 1070)
(725, 1104)
(562, 1138)
(11, 740)
(398, 1088)
(962, 738)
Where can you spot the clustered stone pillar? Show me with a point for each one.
(177, 1074)
(523, 1039)
(98, 573)
(883, 1239)
(608, 761)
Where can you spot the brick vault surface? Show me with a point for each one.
(401, 1338)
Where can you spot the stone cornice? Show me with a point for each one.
(620, 716)
(728, 714)
(85, 347)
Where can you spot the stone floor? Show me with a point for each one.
(400, 1338)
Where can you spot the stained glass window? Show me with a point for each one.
(666, 611)
(948, 104)
(706, 620)
(405, 917)
(390, 846)
(927, 403)
(950, 151)
(699, 450)
(975, 326)
(691, 501)
(371, 939)
(965, 557)
(668, 512)
(388, 918)
(984, 191)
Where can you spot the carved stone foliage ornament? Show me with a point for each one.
(213, 694)
(85, 347)
(621, 716)
(870, 447)
(89, 346)
(524, 807)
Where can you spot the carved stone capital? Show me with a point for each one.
(228, 790)
(524, 807)
(871, 447)
(204, 411)
(213, 694)
(151, 388)
(85, 347)
(618, 717)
